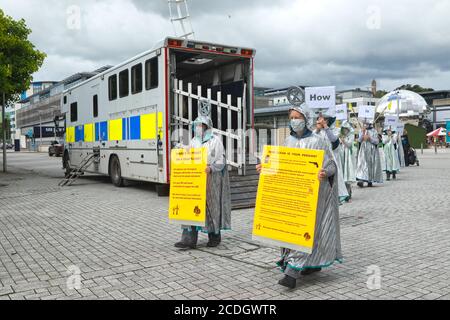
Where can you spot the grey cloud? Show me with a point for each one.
(316, 43)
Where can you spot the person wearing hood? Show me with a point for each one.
(218, 199)
(326, 128)
(346, 156)
(327, 243)
(391, 159)
(369, 164)
(400, 151)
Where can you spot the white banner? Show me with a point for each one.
(341, 112)
(390, 121)
(366, 112)
(320, 97)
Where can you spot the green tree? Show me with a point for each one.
(415, 88)
(18, 57)
(18, 61)
(380, 93)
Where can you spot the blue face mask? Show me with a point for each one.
(201, 134)
(297, 125)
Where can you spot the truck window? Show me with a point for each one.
(136, 78)
(151, 73)
(123, 84)
(95, 106)
(112, 87)
(73, 112)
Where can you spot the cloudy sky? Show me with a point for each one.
(345, 43)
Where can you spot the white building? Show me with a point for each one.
(357, 97)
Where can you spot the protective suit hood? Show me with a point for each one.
(306, 112)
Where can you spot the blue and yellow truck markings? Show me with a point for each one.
(142, 127)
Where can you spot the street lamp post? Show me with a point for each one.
(40, 130)
(4, 132)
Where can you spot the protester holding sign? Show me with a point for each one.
(347, 156)
(400, 150)
(391, 160)
(218, 201)
(327, 244)
(369, 164)
(325, 127)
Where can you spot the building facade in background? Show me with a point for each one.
(357, 97)
(36, 115)
(11, 111)
(439, 102)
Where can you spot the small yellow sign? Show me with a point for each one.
(187, 204)
(286, 203)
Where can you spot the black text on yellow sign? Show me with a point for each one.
(187, 204)
(286, 203)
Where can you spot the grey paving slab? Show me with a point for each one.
(120, 244)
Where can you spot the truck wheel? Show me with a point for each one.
(163, 190)
(115, 172)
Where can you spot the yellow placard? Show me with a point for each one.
(187, 204)
(286, 203)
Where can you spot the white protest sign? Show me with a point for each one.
(320, 97)
(366, 112)
(341, 112)
(390, 122)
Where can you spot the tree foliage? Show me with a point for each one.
(19, 58)
(415, 88)
(380, 93)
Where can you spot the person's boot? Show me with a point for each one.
(188, 239)
(388, 175)
(349, 191)
(214, 240)
(393, 175)
(288, 281)
(310, 271)
(360, 184)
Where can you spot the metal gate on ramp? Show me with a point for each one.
(229, 121)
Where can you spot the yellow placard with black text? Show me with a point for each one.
(286, 202)
(187, 204)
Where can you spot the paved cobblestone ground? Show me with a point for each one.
(122, 243)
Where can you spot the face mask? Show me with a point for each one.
(297, 125)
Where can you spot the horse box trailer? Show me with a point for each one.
(128, 117)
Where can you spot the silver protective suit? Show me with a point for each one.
(369, 162)
(327, 242)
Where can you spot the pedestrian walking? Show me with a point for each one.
(327, 243)
(369, 165)
(218, 199)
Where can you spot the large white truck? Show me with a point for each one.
(128, 117)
